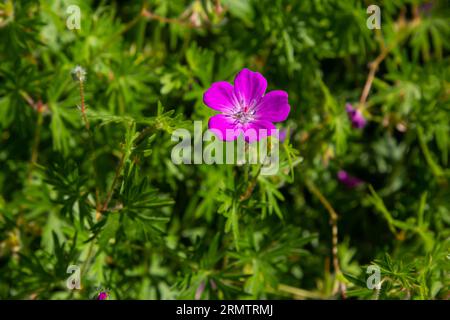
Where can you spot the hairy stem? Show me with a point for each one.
(83, 108)
(91, 143)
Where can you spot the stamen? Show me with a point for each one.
(244, 113)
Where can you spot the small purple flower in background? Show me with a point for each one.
(283, 134)
(102, 295)
(425, 8)
(199, 291)
(348, 180)
(244, 106)
(355, 116)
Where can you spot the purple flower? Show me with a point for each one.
(355, 116)
(348, 180)
(283, 134)
(199, 291)
(102, 295)
(244, 107)
(426, 8)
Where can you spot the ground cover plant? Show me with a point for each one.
(92, 205)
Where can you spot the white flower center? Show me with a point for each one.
(243, 113)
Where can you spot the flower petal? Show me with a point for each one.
(274, 106)
(356, 117)
(258, 129)
(220, 96)
(223, 127)
(249, 87)
(348, 180)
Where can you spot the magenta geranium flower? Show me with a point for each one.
(356, 117)
(102, 295)
(245, 108)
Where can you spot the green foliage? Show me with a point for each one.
(87, 179)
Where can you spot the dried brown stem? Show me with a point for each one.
(384, 51)
(151, 16)
(373, 67)
(334, 232)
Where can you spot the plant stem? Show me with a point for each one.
(144, 133)
(251, 186)
(83, 108)
(88, 258)
(37, 138)
(91, 143)
(299, 293)
(113, 185)
(34, 152)
(334, 231)
(151, 16)
(373, 67)
(384, 51)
